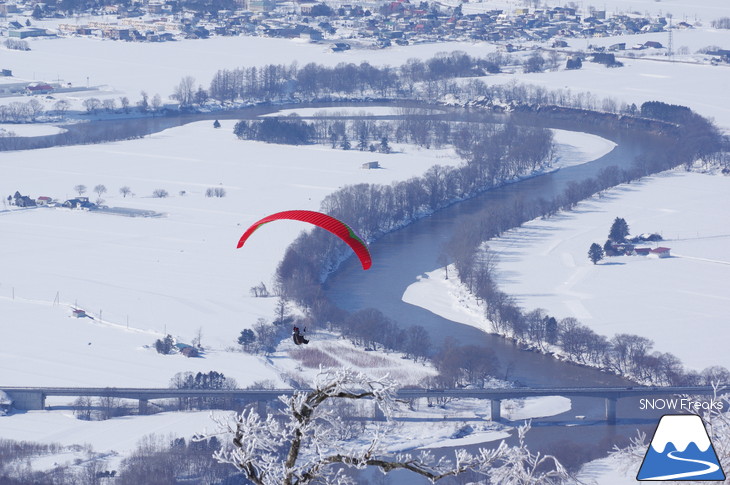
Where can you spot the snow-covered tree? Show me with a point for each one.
(595, 253)
(306, 446)
(619, 230)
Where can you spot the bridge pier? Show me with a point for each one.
(28, 400)
(378, 414)
(261, 408)
(143, 407)
(611, 410)
(496, 409)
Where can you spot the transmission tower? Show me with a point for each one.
(670, 47)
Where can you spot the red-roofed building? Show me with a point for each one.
(660, 252)
(39, 88)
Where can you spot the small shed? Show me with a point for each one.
(79, 313)
(371, 165)
(43, 200)
(190, 352)
(642, 251)
(187, 350)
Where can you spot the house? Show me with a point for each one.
(371, 165)
(190, 352)
(79, 203)
(43, 200)
(621, 249)
(79, 313)
(38, 88)
(660, 252)
(27, 32)
(340, 46)
(650, 44)
(187, 350)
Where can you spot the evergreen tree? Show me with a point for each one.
(384, 147)
(595, 253)
(216, 124)
(164, 346)
(246, 338)
(362, 143)
(551, 330)
(619, 230)
(607, 248)
(346, 145)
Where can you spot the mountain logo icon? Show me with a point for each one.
(680, 450)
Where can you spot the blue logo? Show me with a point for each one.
(680, 450)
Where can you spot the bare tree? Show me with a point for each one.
(307, 446)
(92, 105)
(125, 191)
(61, 107)
(82, 408)
(81, 189)
(143, 104)
(282, 311)
(160, 193)
(35, 109)
(156, 102)
(124, 101)
(185, 91)
(100, 190)
(109, 105)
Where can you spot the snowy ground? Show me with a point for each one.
(140, 278)
(181, 273)
(688, 10)
(673, 301)
(30, 130)
(609, 471)
(113, 69)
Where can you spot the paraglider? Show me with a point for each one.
(298, 337)
(336, 227)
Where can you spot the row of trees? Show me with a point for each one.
(201, 381)
(427, 79)
(494, 156)
(17, 112)
(416, 79)
(373, 210)
(624, 354)
(29, 112)
(288, 131)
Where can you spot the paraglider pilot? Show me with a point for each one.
(298, 338)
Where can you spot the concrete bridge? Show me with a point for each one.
(34, 398)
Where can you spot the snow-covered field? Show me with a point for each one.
(115, 69)
(140, 278)
(143, 277)
(680, 303)
(30, 130)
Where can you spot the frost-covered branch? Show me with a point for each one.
(305, 445)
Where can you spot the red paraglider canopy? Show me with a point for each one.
(336, 227)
